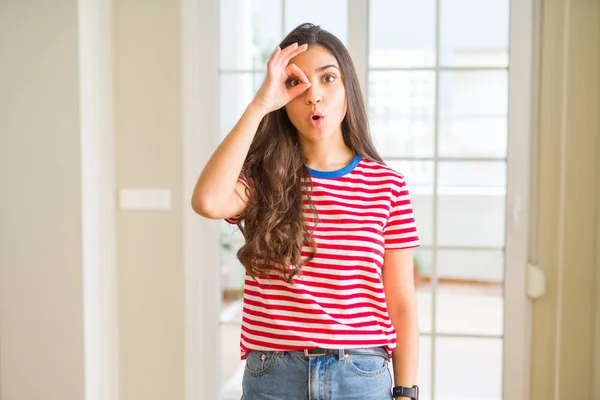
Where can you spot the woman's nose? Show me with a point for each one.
(312, 96)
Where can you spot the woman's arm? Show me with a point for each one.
(398, 282)
(218, 194)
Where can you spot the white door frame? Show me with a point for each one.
(201, 238)
(201, 246)
(524, 50)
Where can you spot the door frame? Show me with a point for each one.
(521, 180)
(199, 38)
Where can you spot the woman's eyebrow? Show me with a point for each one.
(323, 68)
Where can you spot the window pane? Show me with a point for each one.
(468, 369)
(473, 136)
(267, 27)
(471, 202)
(419, 180)
(232, 368)
(470, 282)
(464, 174)
(471, 220)
(331, 15)
(236, 91)
(232, 271)
(232, 286)
(475, 266)
(249, 31)
(473, 113)
(424, 368)
(401, 33)
(474, 32)
(422, 260)
(401, 112)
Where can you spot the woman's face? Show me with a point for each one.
(318, 113)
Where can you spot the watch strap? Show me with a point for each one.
(403, 391)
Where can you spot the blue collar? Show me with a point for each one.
(336, 174)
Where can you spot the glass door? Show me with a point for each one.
(438, 108)
(436, 76)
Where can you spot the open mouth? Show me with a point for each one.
(316, 120)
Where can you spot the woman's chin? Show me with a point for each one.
(320, 136)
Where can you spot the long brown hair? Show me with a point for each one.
(273, 223)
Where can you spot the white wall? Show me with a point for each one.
(62, 314)
(41, 274)
(149, 152)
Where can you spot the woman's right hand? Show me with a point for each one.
(274, 92)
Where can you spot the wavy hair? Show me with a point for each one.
(274, 223)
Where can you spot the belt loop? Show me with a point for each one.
(341, 354)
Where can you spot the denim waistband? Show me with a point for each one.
(318, 352)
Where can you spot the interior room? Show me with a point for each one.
(113, 288)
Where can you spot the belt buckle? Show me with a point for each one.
(319, 354)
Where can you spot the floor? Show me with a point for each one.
(467, 348)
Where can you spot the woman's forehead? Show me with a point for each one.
(315, 57)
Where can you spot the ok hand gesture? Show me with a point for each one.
(275, 92)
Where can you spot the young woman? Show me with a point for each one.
(329, 294)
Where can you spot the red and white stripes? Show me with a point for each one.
(338, 299)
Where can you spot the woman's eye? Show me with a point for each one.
(292, 82)
(329, 78)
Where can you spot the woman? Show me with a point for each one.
(329, 291)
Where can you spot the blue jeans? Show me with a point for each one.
(283, 375)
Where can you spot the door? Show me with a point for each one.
(448, 88)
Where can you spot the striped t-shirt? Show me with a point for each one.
(338, 300)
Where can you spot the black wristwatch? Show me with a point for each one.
(407, 392)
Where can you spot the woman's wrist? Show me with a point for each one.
(256, 107)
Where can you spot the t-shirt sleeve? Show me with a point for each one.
(233, 220)
(400, 232)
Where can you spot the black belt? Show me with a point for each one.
(374, 351)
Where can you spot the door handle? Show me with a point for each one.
(536, 281)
